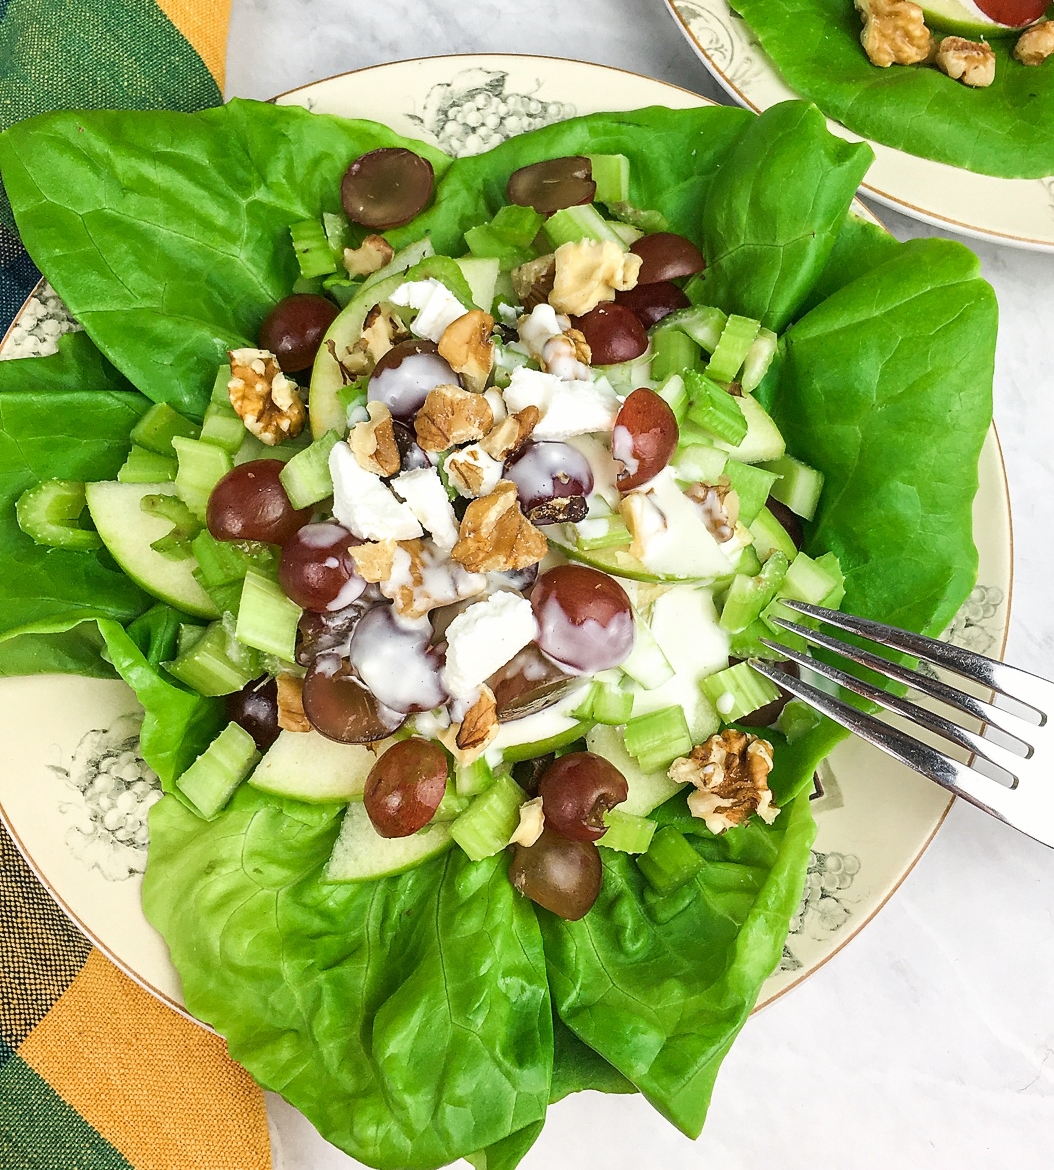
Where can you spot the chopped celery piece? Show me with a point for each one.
(571, 224)
(699, 463)
(143, 466)
(626, 832)
(748, 596)
(752, 485)
(201, 467)
(508, 237)
(222, 426)
(670, 862)
(175, 544)
(611, 175)
(306, 476)
(403, 260)
(797, 719)
(674, 393)
(49, 513)
(338, 234)
(736, 339)
(611, 704)
(626, 232)
(475, 778)
(267, 619)
(798, 485)
(714, 409)
(830, 564)
(747, 562)
(313, 253)
(673, 352)
(159, 426)
(770, 536)
(747, 643)
(188, 636)
(786, 638)
(806, 580)
(490, 820)
(452, 805)
(762, 440)
(702, 323)
(602, 532)
(759, 358)
(738, 690)
(208, 666)
(353, 395)
(221, 562)
(658, 738)
(211, 780)
(519, 225)
(481, 273)
(221, 395)
(646, 663)
(584, 710)
(640, 218)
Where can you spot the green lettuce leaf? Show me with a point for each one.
(661, 986)
(775, 209)
(1003, 130)
(408, 1018)
(166, 234)
(78, 365)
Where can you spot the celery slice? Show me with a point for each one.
(658, 738)
(673, 352)
(748, 596)
(674, 393)
(486, 827)
(738, 690)
(626, 832)
(212, 779)
(267, 619)
(830, 564)
(759, 358)
(200, 467)
(806, 580)
(798, 485)
(207, 666)
(306, 477)
(337, 231)
(143, 466)
(732, 347)
(313, 252)
(175, 544)
(770, 536)
(752, 484)
(572, 224)
(702, 323)
(473, 779)
(699, 462)
(611, 704)
(159, 426)
(714, 409)
(611, 175)
(452, 805)
(602, 532)
(670, 862)
(49, 513)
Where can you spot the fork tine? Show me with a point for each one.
(971, 741)
(957, 778)
(931, 687)
(1018, 684)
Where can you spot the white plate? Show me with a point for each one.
(1018, 212)
(69, 742)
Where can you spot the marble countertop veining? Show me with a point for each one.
(928, 1042)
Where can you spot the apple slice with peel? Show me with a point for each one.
(982, 18)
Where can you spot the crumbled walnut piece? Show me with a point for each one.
(730, 772)
(511, 433)
(894, 33)
(533, 282)
(421, 579)
(971, 62)
(265, 399)
(496, 536)
(291, 715)
(532, 821)
(719, 504)
(589, 272)
(373, 442)
(1035, 44)
(380, 331)
(561, 510)
(480, 725)
(369, 257)
(467, 347)
(451, 416)
(373, 559)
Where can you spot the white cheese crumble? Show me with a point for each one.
(436, 304)
(483, 638)
(567, 408)
(364, 504)
(425, 496)
(460, 467)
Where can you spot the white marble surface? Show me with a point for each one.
(928, 1042)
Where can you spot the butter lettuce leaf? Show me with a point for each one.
(1002, 130)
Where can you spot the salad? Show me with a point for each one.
(955, 81)
(467, 807)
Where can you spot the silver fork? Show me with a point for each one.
(1022, 798)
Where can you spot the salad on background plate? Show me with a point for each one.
(513, 568)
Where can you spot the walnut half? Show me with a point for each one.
(971, 62)
(894, 33)
(265, 400)
(496, 536)
(730, 773)
(1035, 44)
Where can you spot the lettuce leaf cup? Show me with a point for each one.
(435, 1013)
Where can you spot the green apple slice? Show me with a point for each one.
(361, 854)
(128, 531)
(1003, 18)
(304, 765)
